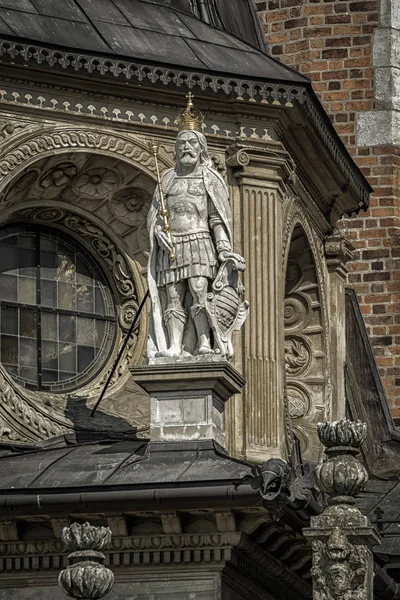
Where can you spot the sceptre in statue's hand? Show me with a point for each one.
(193, 274)
(168, 242)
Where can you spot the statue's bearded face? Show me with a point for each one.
(189, 149)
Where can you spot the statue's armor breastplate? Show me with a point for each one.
(188, 206)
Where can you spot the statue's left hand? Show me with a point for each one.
(240, 263)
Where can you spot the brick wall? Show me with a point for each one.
(331, 41)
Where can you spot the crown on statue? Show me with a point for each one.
(190, 118)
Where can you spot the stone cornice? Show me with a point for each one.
(278, 93)
(284, 94)
(157, 550)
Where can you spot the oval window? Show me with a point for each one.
(57, 314)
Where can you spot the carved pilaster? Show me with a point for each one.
(261, 175)
(338, 251)
(342, 538)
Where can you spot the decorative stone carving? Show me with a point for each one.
(298, 400)
(193, 273)
(219, 164)
(8, 128)
(138, 550)
(96, 183)
(295, 312)
(297, 356)
(342, 433)
(342, 476)
(130, 204)
(67, 139)
(338, 251)
(294, 274)
(86, 577)
(339, 569)
(127, 314)
(23, 183)
(59, 176)
(306, 334)
(270, 479)
(27, 418)
(237, 157)
(341, 536)
(7, 434)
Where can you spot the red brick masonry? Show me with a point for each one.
(331, 42)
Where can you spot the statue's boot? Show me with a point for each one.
(202, 328)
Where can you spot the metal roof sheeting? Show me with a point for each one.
(138, 29)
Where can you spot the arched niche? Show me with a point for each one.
(101, 201)
(306, 369)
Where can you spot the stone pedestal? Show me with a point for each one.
(187, 399)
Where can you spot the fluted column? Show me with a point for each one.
(261, 178)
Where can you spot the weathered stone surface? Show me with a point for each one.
(86, 578)
(342, 538)
(85, 537)
(342, 433)
(187, 399)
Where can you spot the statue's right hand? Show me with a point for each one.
(163, 239)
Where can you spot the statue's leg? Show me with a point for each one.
(198, 288)
(175, 317)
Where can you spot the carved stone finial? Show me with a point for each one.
(342, 476)
(86, 578)
(341, 536)
(342, 433)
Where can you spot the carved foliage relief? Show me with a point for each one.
(305, 353)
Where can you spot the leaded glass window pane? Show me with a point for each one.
(57, 315)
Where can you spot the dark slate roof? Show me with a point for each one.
(365, 396)
(140, 30)
(117, 464)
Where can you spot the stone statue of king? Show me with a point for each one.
(195, 294)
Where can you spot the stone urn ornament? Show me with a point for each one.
(86, 577)
(342, 475)
(342, 538)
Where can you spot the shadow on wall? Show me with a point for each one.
(126, 411)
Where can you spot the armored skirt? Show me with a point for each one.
(195, 257)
